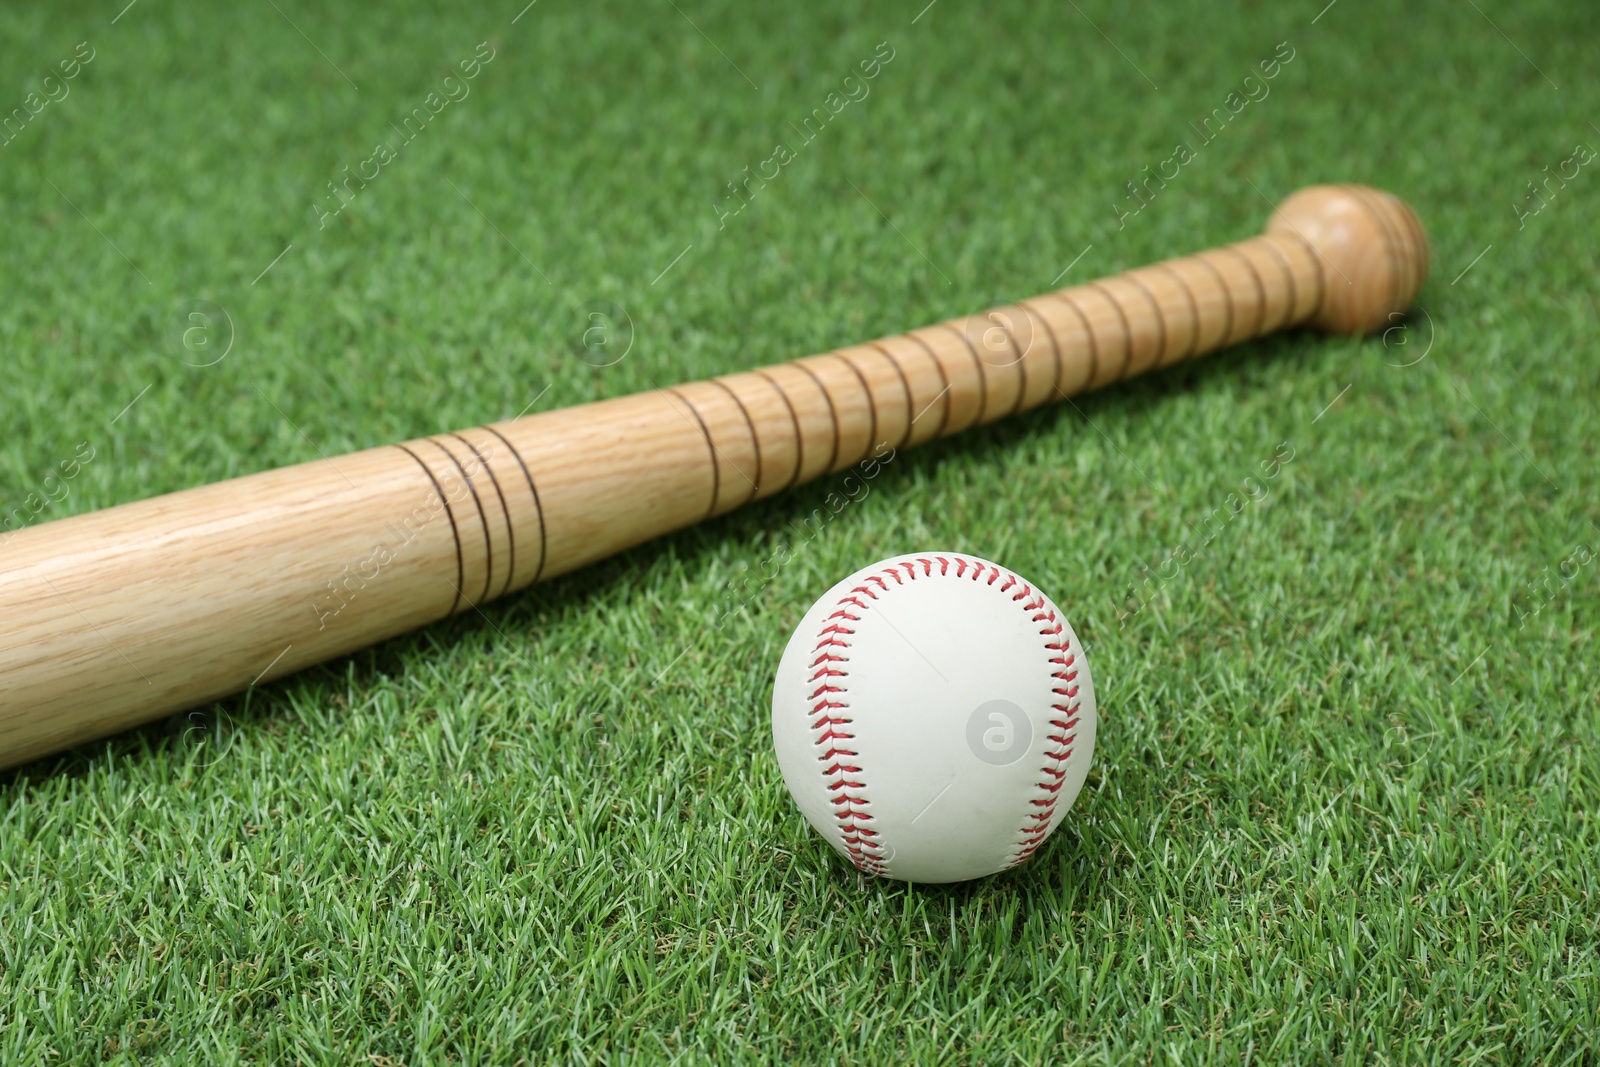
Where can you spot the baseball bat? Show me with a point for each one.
(117, 617)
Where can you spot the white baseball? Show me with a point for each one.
(933, 717)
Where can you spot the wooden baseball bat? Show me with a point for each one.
(114, 618)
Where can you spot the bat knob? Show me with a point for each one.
(1370, 246)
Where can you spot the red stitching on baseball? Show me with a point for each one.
(1036, 827)
(866, 853)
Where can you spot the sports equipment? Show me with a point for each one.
(117, 617)
(934, 717)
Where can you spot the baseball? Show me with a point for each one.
(933, 717)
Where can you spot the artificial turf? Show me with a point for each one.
(1343, 805)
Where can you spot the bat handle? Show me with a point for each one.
(1344, 259)
(1341, 258)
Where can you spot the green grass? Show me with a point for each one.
(1343, 806)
